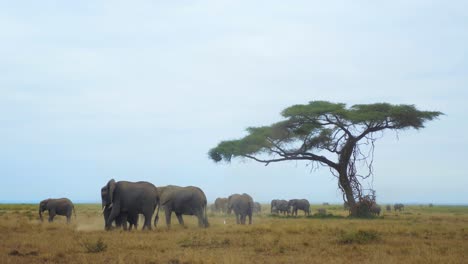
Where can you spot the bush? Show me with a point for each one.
(359, 237)
(95, 247)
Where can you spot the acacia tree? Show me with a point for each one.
(328, 134)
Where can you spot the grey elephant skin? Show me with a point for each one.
(61, 206)
(280, 206)
(122, 219)
(128, 199)
(220, 205)
(189, 200)
(375, 210)
(398, 207)
(257, 208)
(299, 204)
(242, 205)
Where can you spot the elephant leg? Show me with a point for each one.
(115, 212)
(147, 224)
(124, 221)
(201, 220)
(51, 215)
(250, 218)
(243, 219)
(135, 223)
(237, 219)
(168, 217)
(181, 220)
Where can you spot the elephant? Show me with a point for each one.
(242, 205)
(299, 204)
(122, 219)
(126, 200)
(188, 200)
(273, 206)
(375, 209)
(398, 207)
(221, 205)
(61, 206)
(257, 208)
(280, 206)
(388, 208)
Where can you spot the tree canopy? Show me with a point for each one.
(320, 129)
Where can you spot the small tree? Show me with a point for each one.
(329, 134)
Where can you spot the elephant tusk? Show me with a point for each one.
(103, 209)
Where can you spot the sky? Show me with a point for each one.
(141, 90)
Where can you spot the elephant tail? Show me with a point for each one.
(156, 219)
(74, 212)
(206, 215)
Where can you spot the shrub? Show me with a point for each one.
(95, 247)
(359, 237)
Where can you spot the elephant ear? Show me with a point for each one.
(111, 188)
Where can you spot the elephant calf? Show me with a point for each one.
(221, 205)
(122, 219)
(62, 206)
(242, 205)
(257, 208)
(280, 206)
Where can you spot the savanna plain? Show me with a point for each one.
(419, 234)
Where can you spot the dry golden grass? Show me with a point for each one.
(417, 235)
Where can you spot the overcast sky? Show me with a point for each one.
(141, 90)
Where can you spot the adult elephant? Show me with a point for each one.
(375, 209)
(280, 206)
(122, 219)
(221, 205)
(128, 199)
(398, 207)
(61, 206)
(273, 206)
(242, 205)
(188, 200)
(299, 204)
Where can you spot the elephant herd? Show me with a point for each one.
(124, 201)
(290, 207)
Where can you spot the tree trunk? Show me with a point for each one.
(348, 191)
(342, 169)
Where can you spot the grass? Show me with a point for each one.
(360, 237)
(437, 234)
(95, 247)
